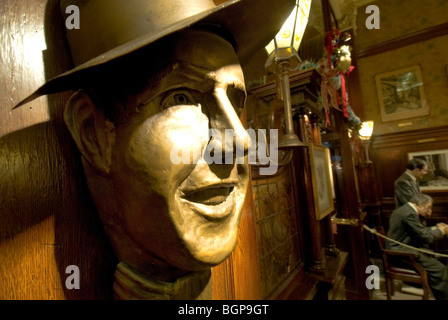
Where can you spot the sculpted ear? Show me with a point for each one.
(92, 132)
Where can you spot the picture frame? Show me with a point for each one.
(437, 177)
(401, 94)
(321, 176)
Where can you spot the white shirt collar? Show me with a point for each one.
(413, 206)
(413, 178)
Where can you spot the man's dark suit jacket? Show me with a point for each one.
(405, 187)
(408, 227)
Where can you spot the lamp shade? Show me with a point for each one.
(287, 41)
(366, 130)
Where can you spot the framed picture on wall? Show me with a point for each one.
(401, 94)
(437, 177)
(322, 180)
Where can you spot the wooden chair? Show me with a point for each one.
(414, 275)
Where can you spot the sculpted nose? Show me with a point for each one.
(227, 122)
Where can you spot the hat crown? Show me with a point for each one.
(110, 29)
(107, 24)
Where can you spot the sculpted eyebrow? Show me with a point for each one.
(188, 75)
(175, 78)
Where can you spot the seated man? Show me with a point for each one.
(407, 225)
(407, 184)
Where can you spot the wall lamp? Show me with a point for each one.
(283, 57)
(365, 133)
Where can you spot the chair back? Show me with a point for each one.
(381, 240)
(382, 244)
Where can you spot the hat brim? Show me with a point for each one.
(252, 23)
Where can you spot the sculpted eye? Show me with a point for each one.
(181, 98)
(178, 97)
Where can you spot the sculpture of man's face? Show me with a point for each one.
(159, 212)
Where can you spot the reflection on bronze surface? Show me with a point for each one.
(147, 87)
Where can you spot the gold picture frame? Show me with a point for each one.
(401, 94)
(322, 180)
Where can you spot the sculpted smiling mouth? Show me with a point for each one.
(213, 195)
(214, 202)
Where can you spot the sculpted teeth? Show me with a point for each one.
(215, 203)
(210, 196)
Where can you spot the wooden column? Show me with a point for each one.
(326, 14)
(317, 253)
(350, 237)
(326, 224)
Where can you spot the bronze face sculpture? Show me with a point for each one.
(141, 97)
(168, 219)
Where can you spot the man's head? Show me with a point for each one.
(157, 212)
(423, 203)
(417, 167)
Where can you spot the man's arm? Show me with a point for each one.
(424, 234)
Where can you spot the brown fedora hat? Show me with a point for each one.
(110, 29)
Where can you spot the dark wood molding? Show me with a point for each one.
(396, 43)
(302, 286)
(411, 138)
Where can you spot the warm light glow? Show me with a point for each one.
(286, 43)
(366, 130)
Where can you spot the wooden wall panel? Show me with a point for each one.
(26, 228)
(47, 219)
(238, 277)
(246, 269)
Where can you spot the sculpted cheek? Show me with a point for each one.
(166, 147)
(186, 129)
